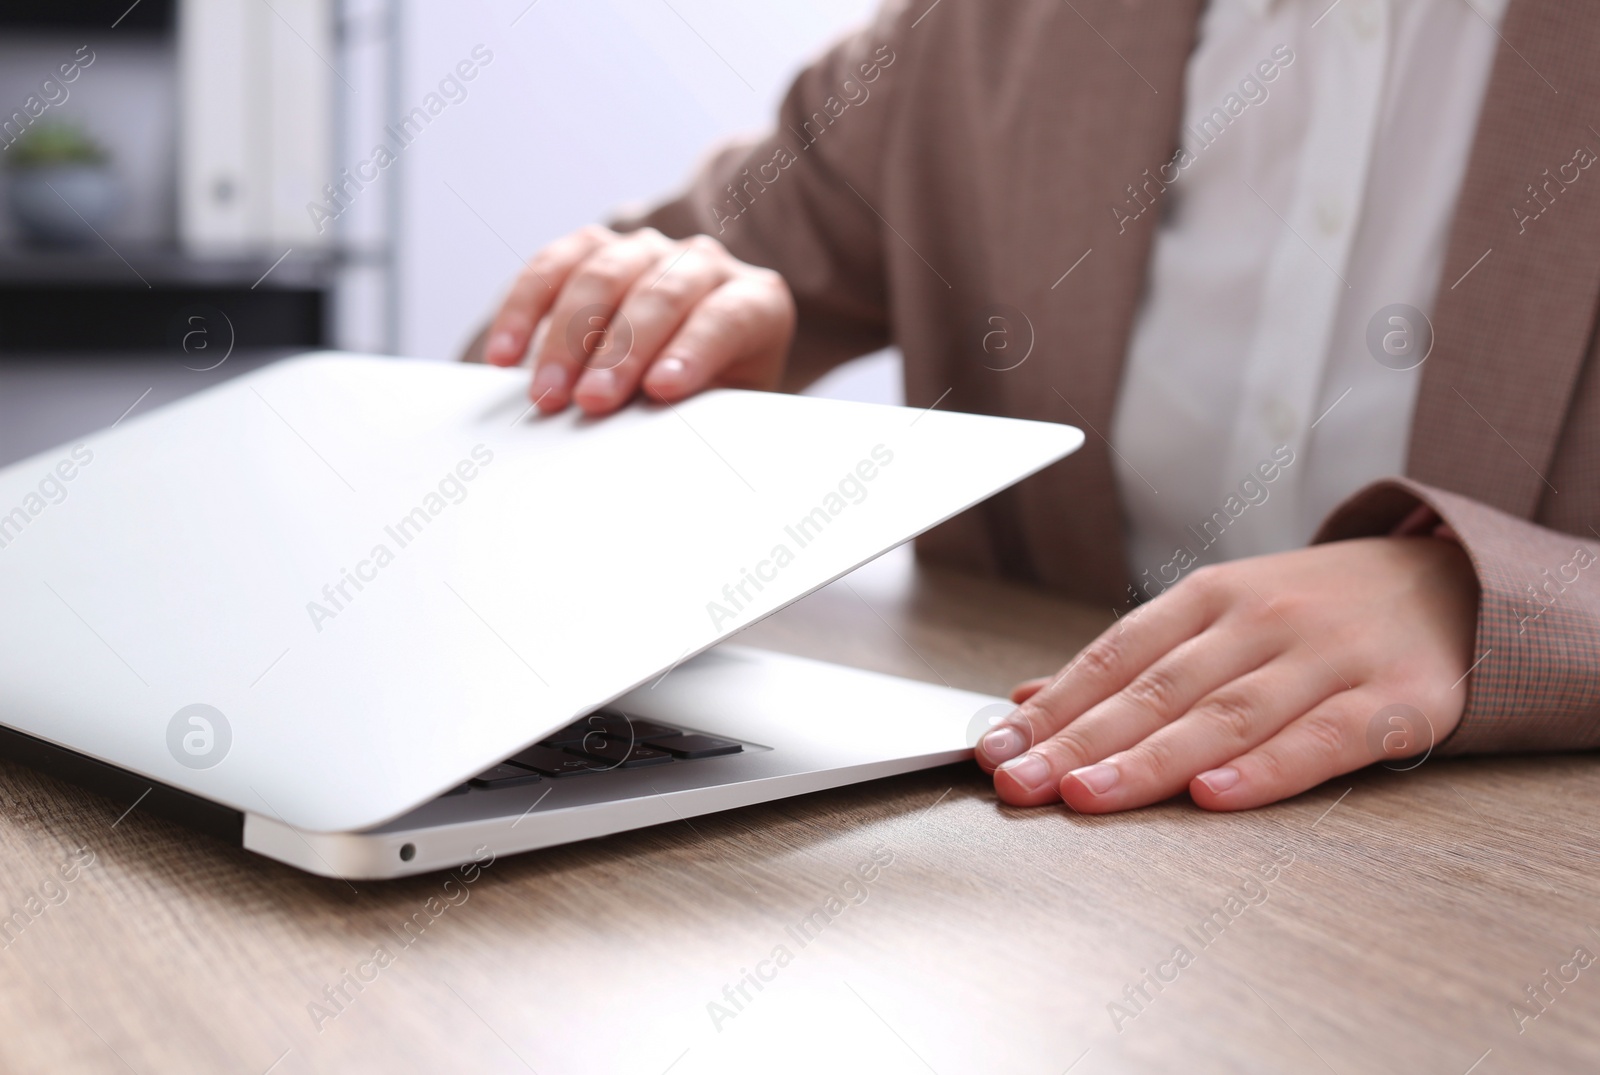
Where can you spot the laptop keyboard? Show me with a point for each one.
(599, 743)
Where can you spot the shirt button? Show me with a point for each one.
(1279, 419)
(1330, 215)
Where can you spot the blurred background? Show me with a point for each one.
(190, 188)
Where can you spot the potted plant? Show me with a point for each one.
(60, 186)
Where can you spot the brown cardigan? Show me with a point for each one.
(955, 156)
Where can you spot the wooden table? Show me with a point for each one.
(1406, 915)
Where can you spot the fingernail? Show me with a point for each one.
(502, 345)
(602, 383)
(1002, 743)
(1220, 780)
(1099, 778)
(1030, 770)
(550, 378)
(670, 369)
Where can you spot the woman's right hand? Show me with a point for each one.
(605, 314)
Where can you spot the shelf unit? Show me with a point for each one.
(123, 296)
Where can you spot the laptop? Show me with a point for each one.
(373, 616)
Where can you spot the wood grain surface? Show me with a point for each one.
(1386, 922)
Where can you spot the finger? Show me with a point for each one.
(1007, 746)
(1238, 716)
(1159, 695)
(581, 316)
(659, 302)
(1156, 696)
(1329, 740)
(1107, 665)
(744, 321)
(532, 293)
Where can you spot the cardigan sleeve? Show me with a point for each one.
(1537, 682)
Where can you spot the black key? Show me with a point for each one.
(459, 789)
(504, 776)
(601, 723)
(607, 723)
(689, 746)
(620, 752)
(554, 762)
(572, 733)
(642, 730)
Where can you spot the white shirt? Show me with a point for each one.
(1305, 207)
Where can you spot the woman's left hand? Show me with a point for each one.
(1250, 681)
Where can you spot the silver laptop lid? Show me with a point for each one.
(334, 588)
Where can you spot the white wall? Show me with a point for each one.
(587, 104)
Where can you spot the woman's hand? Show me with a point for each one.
(606, 313)
(1250, 681)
